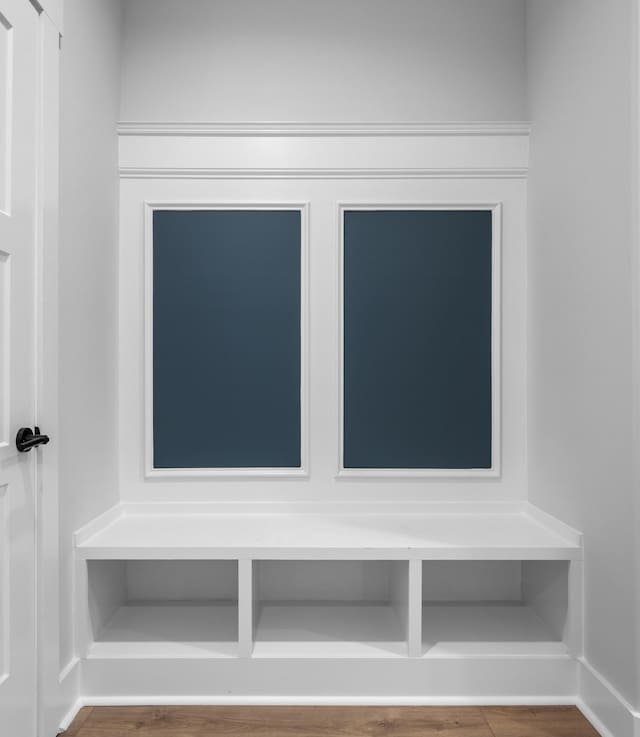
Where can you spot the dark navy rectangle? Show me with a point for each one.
(226, 339)
(417, 339)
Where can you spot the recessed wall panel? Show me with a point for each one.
(226, 339)
(417, 339)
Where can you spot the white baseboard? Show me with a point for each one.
(304, 701)
(604, 706)
(609, 712)
(319, 701)
(68, 718)
(69, 680)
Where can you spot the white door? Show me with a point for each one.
(18, 147)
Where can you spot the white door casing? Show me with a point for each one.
(18, 143)
(56, 692)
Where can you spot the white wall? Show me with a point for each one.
(335, 60)
(90, 80)
(580, 284)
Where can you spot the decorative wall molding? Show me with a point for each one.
(323, 151)
(240, 472)
(142, 128)
(495, 208)
(200, 170)
(327, 173)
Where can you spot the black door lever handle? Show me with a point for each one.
(28, 438)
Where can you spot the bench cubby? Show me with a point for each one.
(494, 607)
(172, 607)
(316, 608)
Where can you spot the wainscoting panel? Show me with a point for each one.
(320, 170)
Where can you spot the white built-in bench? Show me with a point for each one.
(212, 582)
(171, 600)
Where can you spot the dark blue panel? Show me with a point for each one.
(226, 339)
(417, 339)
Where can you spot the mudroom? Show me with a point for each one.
(319, 368)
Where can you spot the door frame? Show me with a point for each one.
(55, 694)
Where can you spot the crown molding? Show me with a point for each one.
(127, 172)
(320, 129)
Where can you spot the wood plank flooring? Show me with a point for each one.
(329, 721)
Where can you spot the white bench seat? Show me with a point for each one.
(149, 531)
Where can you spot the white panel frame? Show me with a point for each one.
(303, 471)
(496, 351)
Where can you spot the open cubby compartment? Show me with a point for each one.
(501, 607)
(147, 608)
(343, 608)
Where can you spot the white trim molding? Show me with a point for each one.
(303, 471)
(323, 129)
(69, 702)
(323, 151)
(496, 353)
(322, 173)
(604, 706)
(235, 700)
